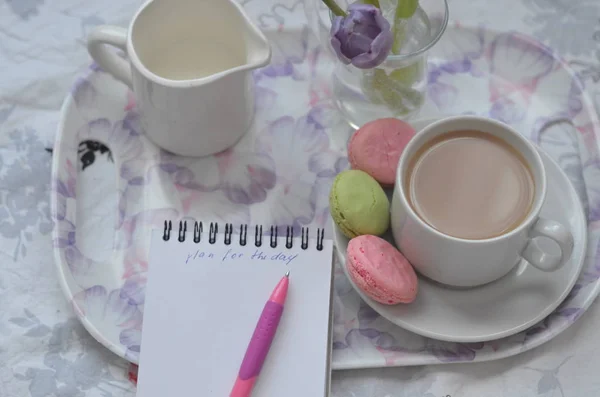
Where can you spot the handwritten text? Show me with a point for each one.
(233, 255)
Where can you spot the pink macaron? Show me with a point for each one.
(380, 270)
(376, 148)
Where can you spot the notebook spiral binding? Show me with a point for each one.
(227, 236)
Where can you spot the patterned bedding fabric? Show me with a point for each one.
(45, 351)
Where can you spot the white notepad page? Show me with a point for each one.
(203, 302)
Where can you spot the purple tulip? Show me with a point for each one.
(363, 37)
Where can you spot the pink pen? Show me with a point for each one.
(261, 340)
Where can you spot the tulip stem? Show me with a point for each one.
(372, 2)
(405, 9)
(335, 8)
(398, 33)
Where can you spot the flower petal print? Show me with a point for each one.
(276, 17)
(509, 110)
(453, 352)
(591, 175)
(362, 341)
(136, 226)
(461, 48)
(519, 59)
(132, 122)
(215, 207)
(339, 328)
(84, 93)
(246, 176)
(290, 205)
(562, 141)
(460, 45)
(290, 142)
(366, 315)
(66, 185)
(289, 53)
(569, 313)
(327, 164)
(94, 67)
(517, 65)
(79, 264)
(65, 234)
(341, 284)
(442, 94)
(66, 240)
(102, 307)
(187, 172)
(134, 289)
(319, 200)
(135, 261)
(575, 149)
(325, 116)
(130, 101)
(540, 330)
(305, 135)
(133, 172)
(591, 273)
(132, 187)
(132, 339)
(564, 91)
(264, 99)
(345, 302)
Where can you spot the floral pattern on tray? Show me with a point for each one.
(281, 171)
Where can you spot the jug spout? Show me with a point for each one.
(200, 41)
(258, 49)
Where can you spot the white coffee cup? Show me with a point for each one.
(194, 115)
(467, 263)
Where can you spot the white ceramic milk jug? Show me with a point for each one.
(190, 67)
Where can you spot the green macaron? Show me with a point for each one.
(358, 204)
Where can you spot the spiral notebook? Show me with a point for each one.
(205, 292)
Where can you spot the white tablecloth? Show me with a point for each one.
(44, 351)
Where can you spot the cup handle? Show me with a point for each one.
(541, 259)
(107, 59)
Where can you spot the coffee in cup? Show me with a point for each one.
(470, 184)
(467, 201)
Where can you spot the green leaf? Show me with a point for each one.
(408, 75)
(406, 8)
(399, 97)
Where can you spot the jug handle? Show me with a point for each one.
(108, 60)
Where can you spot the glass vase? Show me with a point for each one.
(397, 87)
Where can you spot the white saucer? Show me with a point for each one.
(504, 307)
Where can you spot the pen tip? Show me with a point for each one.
(287, 274)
